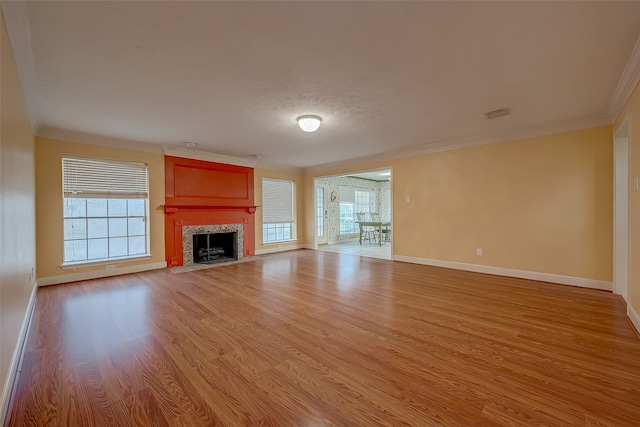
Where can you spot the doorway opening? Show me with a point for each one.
(353, 213)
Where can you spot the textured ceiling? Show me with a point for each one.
(385, 76)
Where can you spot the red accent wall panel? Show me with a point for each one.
(201, 193)
(199, 183)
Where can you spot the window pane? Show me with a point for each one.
(75, 229)
(117, 207)
(96, 227)
(118, 247)
(136, 207)
(75, 207)
(136, 227)
(79, 250)
(117, 227)
(346, 217)
(137, 245)
(68, 251)
(97, 207)
(98, 248)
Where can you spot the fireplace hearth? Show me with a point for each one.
(213, 248)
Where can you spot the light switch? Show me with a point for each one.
(407, 199)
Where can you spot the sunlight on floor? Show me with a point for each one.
(353, 248)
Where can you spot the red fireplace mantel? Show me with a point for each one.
(201, 193)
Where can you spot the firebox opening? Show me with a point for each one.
(214, 248)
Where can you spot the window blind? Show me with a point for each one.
(277, 201)
(104, 179)
(347, 194)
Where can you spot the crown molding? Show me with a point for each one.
(626, 85)
(16, 19)
(149, 147)
(190, 153)
(466, 142)
(262, 164)
(93, 139)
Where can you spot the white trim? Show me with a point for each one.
(264, 164)
(522, 274)
(189, 153)
(633, 316)
(282, 249)
(101, 140)
(621, 150)
(465, 142)
(626, 85)
(16, 360)
(87, 264)
(16, 19)
(88, 275)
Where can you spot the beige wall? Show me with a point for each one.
(49, 225)
(540, 204)
(298, 178)
(632, 110)
(17, 207)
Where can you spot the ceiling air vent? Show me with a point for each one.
(497, 113)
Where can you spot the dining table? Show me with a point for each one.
(378, 224)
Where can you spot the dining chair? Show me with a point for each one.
(375, 217)
(368, 232)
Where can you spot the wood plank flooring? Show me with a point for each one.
(309, 338)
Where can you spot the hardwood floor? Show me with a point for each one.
(310, 338)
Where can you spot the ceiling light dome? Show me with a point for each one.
(309, 123)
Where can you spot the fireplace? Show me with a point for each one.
(214, 248)
(203, 194)
(212, 244)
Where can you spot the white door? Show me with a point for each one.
(321, 217)
(621, 212)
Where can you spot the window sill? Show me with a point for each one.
(82, 264)
(279, 242)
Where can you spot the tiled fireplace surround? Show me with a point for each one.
(189, 230)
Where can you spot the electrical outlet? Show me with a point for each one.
(110, 266)
(479, 251)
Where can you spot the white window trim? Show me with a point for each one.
(137, 194)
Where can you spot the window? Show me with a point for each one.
(353, 201)
(277, 210)
(105, 206)
(320, 211)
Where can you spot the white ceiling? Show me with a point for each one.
(384, 76)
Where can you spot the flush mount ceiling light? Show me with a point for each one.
(190, 144)
(309, 123)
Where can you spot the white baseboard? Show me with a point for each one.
(87, 275)
(633, 316)
(16, 360)
(522, 274)
(275, 249)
